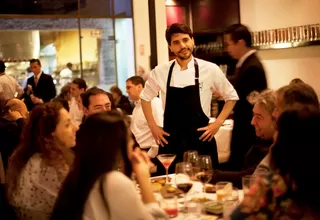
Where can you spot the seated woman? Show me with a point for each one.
(292, 191)
(41, 162)
(95, 189)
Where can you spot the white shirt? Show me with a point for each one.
(244, 57)
(67, 73)
(9, 87)
(140, 129)
(76, 114)
(211, 78)
(123, 200)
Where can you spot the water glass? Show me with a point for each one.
(247, 181)
(223, 189)
(170, 206)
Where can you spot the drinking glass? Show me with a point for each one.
(191, 156)
(205, 170)
(166, 160)
(170, 205)
(183, 179)
(223, 189)
(247, 181)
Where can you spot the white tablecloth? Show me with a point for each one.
(223, 139)
(194, 191)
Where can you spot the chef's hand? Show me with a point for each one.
(209, 131)
(158, 134)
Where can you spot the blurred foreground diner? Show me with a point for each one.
(289, 97)
(99, 185)
(291, 191)
(41, 162)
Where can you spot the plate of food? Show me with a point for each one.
(161, 180)
(170, 190)
(214, 207)
(200, 199)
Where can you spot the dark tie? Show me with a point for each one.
(36, 81)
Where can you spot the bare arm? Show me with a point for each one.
(226, 111)
(157, 132)
(147, 111)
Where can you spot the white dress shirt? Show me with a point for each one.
(76, 114)
(140, 129)
(211, 78)
(244, 57)
(9, 87)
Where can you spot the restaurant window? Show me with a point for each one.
(55, 41)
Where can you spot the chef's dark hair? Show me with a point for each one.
(136, 80)
(239, 32)
(177, 28)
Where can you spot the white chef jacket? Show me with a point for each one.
(211, 78)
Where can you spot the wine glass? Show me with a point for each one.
(205, 171)
(183, 179)
(191, 156)
(166, 160)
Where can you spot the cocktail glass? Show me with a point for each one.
(166, 160)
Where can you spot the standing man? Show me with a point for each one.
(9, 87)
(185, 85)
(66, 74)
(77, 87)
(139, 125)
(249, 76)
(40, 86)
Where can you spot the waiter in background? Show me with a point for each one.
(249, 76)
(185, 85)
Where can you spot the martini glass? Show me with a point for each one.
(166, 160)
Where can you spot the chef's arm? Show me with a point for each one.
(226, 111)
(147, 111)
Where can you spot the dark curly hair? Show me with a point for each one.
(37, 138)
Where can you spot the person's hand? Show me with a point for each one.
(158, 133)
(140, 163)
(15, 115)
(209, 131)
(29, 88)
(35, 100)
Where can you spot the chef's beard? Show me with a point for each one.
(184, 57)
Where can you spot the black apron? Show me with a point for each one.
(183, 115)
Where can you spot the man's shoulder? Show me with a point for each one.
(163, 67)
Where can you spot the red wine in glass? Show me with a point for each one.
(204, 176)
(184, 187)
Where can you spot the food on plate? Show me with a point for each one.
(209, 188)
(214, 207)
(156, 187)
(171, 189)
(200, 199)
(161, 180)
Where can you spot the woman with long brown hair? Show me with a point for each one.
(41, 162)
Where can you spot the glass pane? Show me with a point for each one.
(123, 8)
(56, 42)
(88, 7)
(124, 51)
(98, 54)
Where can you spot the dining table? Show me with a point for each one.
(195, 192)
